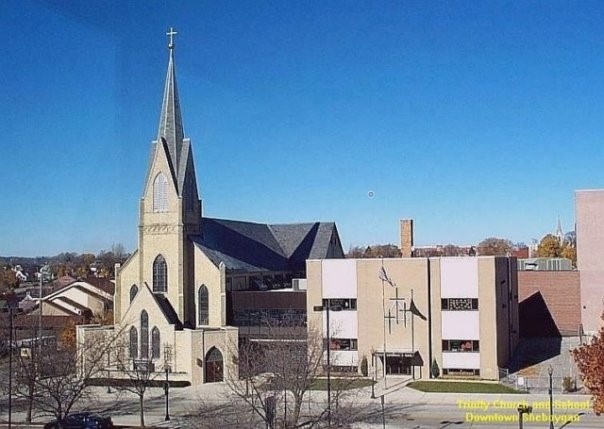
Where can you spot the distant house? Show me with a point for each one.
(83, 297)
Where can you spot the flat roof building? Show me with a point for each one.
(461, 312)
(589, 206)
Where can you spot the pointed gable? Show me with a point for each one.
(153, 303)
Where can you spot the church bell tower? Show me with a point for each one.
(170, 209)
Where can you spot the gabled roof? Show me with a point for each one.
(253, 247)
(93, 294)
(102, 283)
(82, 308)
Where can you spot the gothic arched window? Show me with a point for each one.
(204, 304)
(155, 343)
(160, 193)
(160, 275)
(144, 335)
(133, 343)
(133, 292)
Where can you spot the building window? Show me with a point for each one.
(133, 292)
(133, 343)
(461, 372)
(343, 343)
(343, 303)
(269, 317)
(204, 305)
(160, 275)
(459, 304)
(160, 193)
(144, 335)
(461, 346)
(155, 343)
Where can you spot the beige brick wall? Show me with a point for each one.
(127, 276)
(424, 277)
(208, 274)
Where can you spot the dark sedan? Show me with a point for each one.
(81, 421)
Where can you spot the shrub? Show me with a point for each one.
(434, 369)
(364, 367)
(568, 384)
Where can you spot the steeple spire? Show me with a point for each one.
(559, 234)
(170, 120)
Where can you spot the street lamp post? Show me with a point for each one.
(167, 390)
(327, 309)
(550, 372)
(10, 367)
(523, 409)
(108, 373)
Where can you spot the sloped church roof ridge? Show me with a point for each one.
(252, 246)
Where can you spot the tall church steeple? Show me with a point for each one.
(170, 120)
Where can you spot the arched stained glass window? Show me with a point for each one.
(133, 343)
(214, 366)
(144, 335)
(160, 275)
(160, 193)
(133, 292)
(155, 343)
(203, 302)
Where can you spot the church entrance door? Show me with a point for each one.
(214, 366)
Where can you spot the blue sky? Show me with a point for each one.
(475, 120)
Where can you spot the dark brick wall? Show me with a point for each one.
(547, 296)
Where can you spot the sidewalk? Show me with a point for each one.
(123, 406)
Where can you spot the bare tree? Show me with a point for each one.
(277, 373)
(55, 377)
(139, 373)
(493, 246)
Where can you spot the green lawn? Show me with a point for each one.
(341, 383)
(460, 387)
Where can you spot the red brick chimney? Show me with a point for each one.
(407, 238)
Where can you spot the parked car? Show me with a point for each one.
(81, 421)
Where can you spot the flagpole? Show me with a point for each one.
(412, 327)
(384, 326)
(413, 336)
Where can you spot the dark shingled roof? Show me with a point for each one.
(168, 310)
(253, 247)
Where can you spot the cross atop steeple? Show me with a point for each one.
(171, 33)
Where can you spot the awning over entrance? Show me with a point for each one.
(416, 358)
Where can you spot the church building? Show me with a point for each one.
(172, 294)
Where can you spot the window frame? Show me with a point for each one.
(155, 343)
(203, 305)
(160, 274)
(144, 337)
(160, 193)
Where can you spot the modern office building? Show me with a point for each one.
(461, 312)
